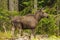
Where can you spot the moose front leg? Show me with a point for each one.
(13, 29)
(20, 29)
(13, 32)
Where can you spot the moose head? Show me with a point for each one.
(40, 14)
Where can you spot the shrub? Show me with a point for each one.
(5, 17)
(47, 26)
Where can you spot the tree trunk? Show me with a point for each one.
(3, 4)
(58, 6)
(16, 5)
(11, 5)
(35, 5)
(58, 12)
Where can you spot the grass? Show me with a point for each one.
(49, 38)
(4, 35)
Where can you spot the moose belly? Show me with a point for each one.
(29, 25)
(29, 22)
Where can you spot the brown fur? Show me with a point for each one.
(28, 21)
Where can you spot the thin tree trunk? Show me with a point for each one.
(32, 5)
(58, 6)
(58, 11)
(3, 4)
(4, 27)
(11, 5)
(35, 5)
(16, 5)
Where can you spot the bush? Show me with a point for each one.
(5, 17)
(47, 26)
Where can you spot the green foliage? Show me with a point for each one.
(52, 10)
(47, 26)
(43, 3)
(53, 37)
(5, 17)
(26, 3)
(50, 6)
(4, 35)
(25, 11)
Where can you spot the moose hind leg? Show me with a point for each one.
(33, 32)
(12, 31)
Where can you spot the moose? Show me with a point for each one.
(28, 21)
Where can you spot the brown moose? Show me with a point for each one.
(28, 21)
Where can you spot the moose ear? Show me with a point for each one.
(41, 9)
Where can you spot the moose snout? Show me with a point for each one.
(46, 15)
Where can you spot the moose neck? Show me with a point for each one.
(37, 16)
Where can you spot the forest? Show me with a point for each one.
(22, 13)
